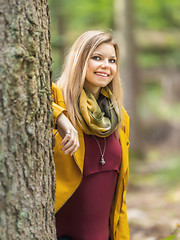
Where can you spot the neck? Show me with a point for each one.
(95, 92)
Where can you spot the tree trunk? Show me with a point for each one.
(123, 18)
(26, 160)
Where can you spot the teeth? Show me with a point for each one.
(102, 74)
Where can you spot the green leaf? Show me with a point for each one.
(170, 237)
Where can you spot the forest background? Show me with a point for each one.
(149, 38)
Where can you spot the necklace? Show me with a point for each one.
(102, 161)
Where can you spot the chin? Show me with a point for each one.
(103, 85)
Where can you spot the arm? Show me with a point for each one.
(70, 141)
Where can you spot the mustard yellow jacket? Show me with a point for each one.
(69, 171)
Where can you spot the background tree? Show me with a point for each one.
(124, 25)
(26, 161)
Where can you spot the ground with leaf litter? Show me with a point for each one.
(153, 195)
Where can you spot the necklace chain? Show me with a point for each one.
(102, 161)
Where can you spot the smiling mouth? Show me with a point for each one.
(102, 74)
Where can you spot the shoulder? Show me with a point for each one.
(125, 121)
(55, 89)
(125, 114)
(57, 93)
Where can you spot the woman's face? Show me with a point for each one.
(101, 67)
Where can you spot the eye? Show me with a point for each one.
(112, 60)
(97, 58)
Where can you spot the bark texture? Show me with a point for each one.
(26, 160)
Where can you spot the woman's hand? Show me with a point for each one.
(69, 134)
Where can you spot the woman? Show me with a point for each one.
(91, 151)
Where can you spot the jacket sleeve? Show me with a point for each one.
(58, 102)
(124, 233)
(123, 226)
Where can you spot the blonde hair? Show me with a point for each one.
(73, 76)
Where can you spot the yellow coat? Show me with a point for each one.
(69, 171)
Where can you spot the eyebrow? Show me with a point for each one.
(102, 54)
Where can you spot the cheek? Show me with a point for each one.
(92, 65)
(114, 69)
(89, 70)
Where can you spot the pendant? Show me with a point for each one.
(102, 162)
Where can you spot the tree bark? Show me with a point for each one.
(26, 161)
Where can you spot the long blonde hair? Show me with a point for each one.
(72, 79)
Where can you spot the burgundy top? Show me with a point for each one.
(85, 216)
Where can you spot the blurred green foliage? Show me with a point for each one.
(155, 59)
(174, 235)
(81, 15)
(163, 176)
(157, 15)
(70, 18)
(158, 107)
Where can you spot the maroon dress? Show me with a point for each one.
(85, 216)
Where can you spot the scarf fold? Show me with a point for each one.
(98, 117)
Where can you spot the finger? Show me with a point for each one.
(68, 144)
(65, 139)
(74, 150)
(71, 146)
(76, 146)
(70, 149)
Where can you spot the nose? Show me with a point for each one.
(105, 63)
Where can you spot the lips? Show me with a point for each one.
(102, 74)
